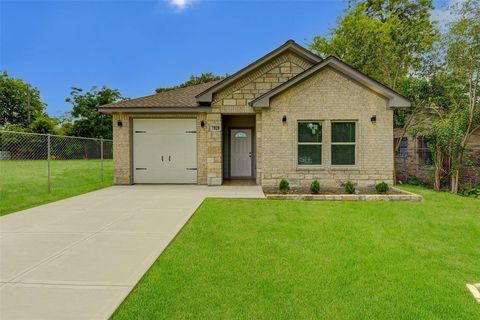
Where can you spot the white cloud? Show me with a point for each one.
(180, 5)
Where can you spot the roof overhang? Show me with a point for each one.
(395, 100)
(290, 45)
(110, 110)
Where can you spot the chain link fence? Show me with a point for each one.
(33, 166)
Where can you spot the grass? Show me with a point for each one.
(23, 184)
(266, 259)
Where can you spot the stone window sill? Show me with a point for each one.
(344, 168)
(310, 168)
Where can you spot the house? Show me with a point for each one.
(289, 114)
(414, 160)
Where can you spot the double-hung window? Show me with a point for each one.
(343, 143)
(310, 143)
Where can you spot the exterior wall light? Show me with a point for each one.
(202, 124)
(284, 119)
(373, 119)
(119, 123)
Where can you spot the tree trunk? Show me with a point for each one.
(454, 181)
(438, 169)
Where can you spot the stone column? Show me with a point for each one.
(214, 149)
(121, 149)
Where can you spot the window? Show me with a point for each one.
(309, 143)
(424, 154)
(343, 143)
(240, 134)
(402, 150)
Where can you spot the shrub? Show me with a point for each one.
(416, 181)
(381, 187)
(315, 187)
(284, 186)
(349, 187)
(471, 192)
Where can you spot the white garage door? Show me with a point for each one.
(164, 151)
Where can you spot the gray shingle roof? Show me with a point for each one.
(177, 98)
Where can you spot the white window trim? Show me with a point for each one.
(298, 143)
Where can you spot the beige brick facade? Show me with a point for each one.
(325, 96)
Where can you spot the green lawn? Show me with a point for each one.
(23, 184)
(263, 259)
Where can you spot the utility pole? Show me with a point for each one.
(28, 105)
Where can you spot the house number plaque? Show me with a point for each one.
(215, 127)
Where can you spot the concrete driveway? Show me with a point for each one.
(78, 258)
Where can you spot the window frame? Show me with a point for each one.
(298, 143)
(402, 151)
(355, 144)
(424, 155)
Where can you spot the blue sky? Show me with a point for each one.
(137, 46)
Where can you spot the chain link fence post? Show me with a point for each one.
(101, 158)
(48, 164)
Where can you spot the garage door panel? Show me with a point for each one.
(174, 140)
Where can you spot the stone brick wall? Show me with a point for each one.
(327, 96)
(234, 99)
(122, 144)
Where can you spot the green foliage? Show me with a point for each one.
(349, 187)
(15, 127)
(284, 186)
(473, 192)
(43, 124)
(89, 122)
(315, 187)
(13, 101)
(202, 78)
(64, 124)
(381, 187)
(416, 181)
(386, 39)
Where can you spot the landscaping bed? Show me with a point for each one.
(339, 194)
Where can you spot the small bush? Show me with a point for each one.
(349, 187)
(473, 192)
(284, 186)
(416, 181)
(315, 187)
(381, 187)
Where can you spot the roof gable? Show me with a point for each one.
(395, 100)
(207, 95)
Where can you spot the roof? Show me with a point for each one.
(395, 100)
(176, 98)
(290, 45)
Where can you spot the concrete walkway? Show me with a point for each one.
(78, 258)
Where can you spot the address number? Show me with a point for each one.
(215, 127)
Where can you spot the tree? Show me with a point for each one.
(13, 101)
(386, 39)
(64, 123)
(389, 40)
(202, 78)
(462, 57)
(43, 124)
(89, 122)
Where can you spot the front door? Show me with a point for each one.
(241, 152)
